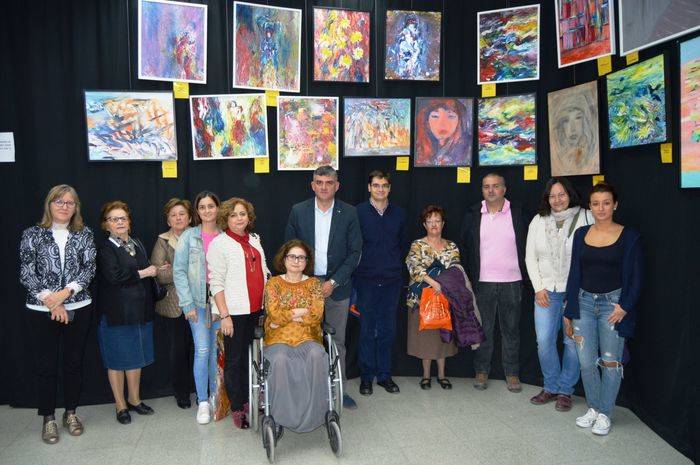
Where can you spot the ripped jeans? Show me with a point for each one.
(597, 341)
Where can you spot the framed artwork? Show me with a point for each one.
(444, 131)
(644, 23)
(172, 41)
(377, 126)
(341, 45)
(266, 47)
(637, 104)
(307, 132)
(585, 30)
(508, 43)
(130, 126)
(228, 126)
(412, 49)
(507, 130)
(690, 113)
(574, 141)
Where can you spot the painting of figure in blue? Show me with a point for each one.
(412, 45)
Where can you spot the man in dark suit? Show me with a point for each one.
(331, 228)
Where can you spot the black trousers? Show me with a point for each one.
(177, 337)
(236, 359)
(47, 336)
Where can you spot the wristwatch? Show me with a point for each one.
(333, 283)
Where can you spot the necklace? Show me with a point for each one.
(249, 256)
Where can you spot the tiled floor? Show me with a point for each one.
(462, 426)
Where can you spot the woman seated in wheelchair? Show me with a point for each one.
(298, 375)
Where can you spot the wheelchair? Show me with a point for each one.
(259, 404)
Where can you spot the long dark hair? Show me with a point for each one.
(574, 201)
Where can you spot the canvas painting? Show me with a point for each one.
(574, 144)
(637, 104)
(508, 42)
(172, 41)
(228, 126)
(585, 30)
(644, 23)
(266, 47)
(377, 126)
(507, 131)
(130, 126)
(444, 131)
(341, 45)
(412, 45)
(307, 132)
(690, 113)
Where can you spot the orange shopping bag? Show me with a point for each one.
(434, 311)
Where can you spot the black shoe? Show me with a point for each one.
(183, 402)
(123, 417)
(366, 388)
(389, 385)
(141, 409)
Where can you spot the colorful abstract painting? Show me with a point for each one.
(574, 143)
(412, 45)
(507, 131)
(341, 45)
(508, 44)
(266, 47)
(172, 41)
(644, 23)
(307, 132)
(130, 126)
(585, 30)
(444, 131)
(228, 126)
(377, 126)
(637, 104)
(690, 113)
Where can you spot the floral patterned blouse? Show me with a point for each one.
(419, 259)
(280, 298)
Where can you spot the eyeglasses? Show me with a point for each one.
(117, 219)
(434, 222)
(381, 186)
(64, 203)
(296, 258)
(561, 195)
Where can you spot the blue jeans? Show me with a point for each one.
(560, 377)
(204, 355)
(597, 341)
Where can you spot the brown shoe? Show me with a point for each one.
(72, 423)
(513, 384)
(481, 381)
(563, 403)
(542, 398)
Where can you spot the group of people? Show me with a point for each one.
(585, 270)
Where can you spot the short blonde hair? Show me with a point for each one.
(227, 208)
(56, 192)
(175, 202)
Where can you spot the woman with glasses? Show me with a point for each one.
(548, 257)
(126, 307)
(57, 263)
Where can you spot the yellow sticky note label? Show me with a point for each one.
(464, 175)
(632, 58)
(666, 152)
(401, 163)
(530, 172)
(261, 165)
(181, 89)
(604, 65)
(271, 97)
(488, 90)
(169, 168)
(598, 178)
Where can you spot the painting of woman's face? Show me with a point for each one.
(571, 121)
(443, 123)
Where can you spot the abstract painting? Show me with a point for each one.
(444, 131)
(507, 131)
(377, 126)
(228, 126)
(508, 42)
(412, 45)
(574, 144)
(307, 132)
(637, 104)
(130, 126)
(690, 113)
(172, 41)
(644, 23)
(585, 30)
(266, 47)
(341, 45)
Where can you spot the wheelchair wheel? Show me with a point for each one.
(254, 392)
(337, 383)
(335, 438)
(268, 436)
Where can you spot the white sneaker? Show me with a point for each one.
(203, 413)
(588, 419)
(602, 425)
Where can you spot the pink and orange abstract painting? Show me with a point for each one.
(690, 113)
(585, 30)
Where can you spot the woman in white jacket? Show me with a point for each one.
(548, 256)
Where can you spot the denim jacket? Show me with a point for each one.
(189, 270)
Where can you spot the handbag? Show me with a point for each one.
(434, 311)
(158, 291)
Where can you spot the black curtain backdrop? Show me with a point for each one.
(51, 51)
